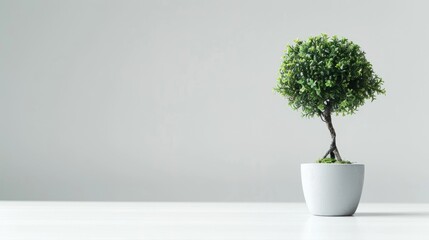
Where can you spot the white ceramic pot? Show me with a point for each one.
(332, 189)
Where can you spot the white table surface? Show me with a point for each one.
(140, 220)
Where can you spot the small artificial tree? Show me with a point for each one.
(325, 75)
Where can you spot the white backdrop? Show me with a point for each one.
(173, 100)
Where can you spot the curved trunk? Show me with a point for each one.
(333, 150)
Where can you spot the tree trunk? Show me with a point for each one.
(333, 150)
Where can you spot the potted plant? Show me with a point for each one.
(323, 76)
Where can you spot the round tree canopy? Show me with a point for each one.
(327, 74)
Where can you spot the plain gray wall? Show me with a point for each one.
(173, 100)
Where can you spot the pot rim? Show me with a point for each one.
(334, 164)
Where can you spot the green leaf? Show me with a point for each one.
(327, 69)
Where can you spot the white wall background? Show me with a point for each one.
(173, 100)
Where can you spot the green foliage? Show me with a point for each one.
(327, 72)
(331, 160)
